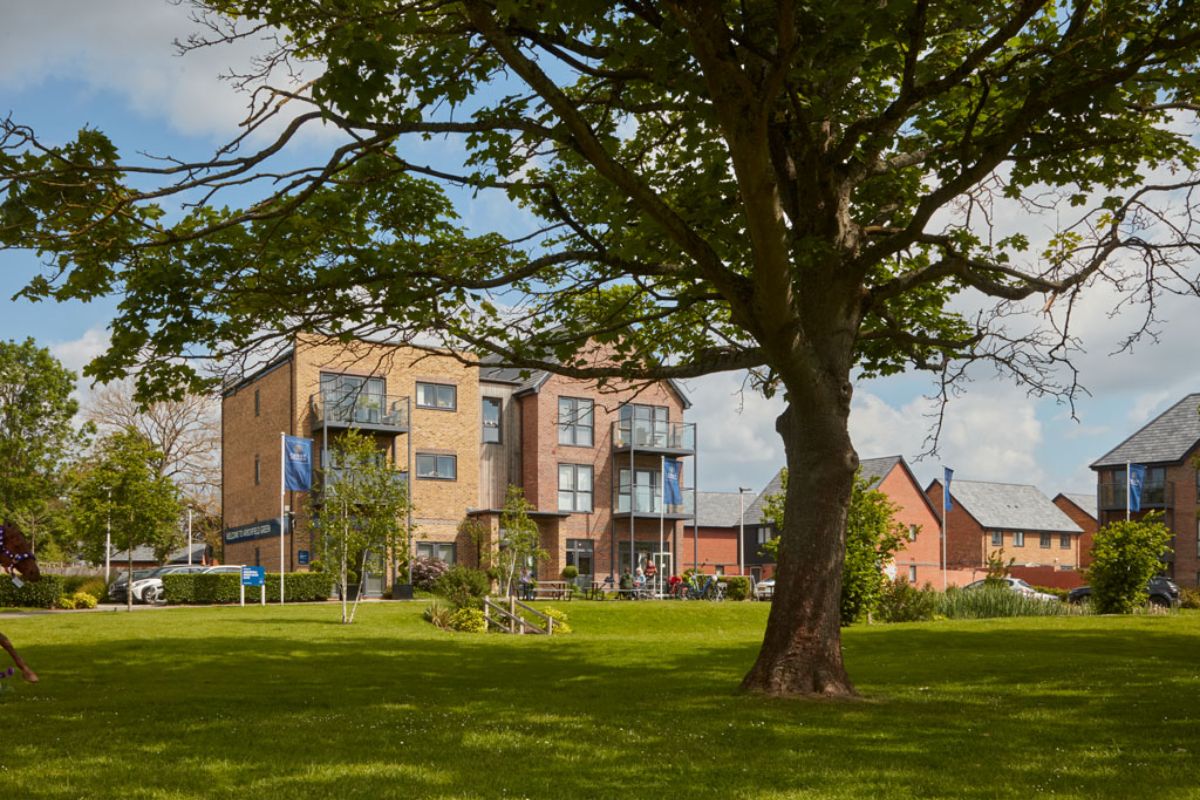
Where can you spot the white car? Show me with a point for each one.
(1016, 585)
(150, 588)
(224, 568)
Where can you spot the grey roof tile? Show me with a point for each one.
(873, 469)
(1086, 502)
(754, 511)
(722, 509)
(1165, 439)
(1011, 507)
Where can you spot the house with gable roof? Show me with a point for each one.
(1017, 519)
(1168, 446)
(1081, 508)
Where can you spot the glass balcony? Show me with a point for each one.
(1154, 495)
(647, 500)
(379, 412)
(335, 475)
(660, 437)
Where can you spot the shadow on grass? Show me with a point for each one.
(963, 712)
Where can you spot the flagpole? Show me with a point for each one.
(282, 512)
(1128, 487)
(662, 519)
(946, 478)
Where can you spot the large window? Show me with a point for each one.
(644, 496)
(441, 396)
(580, 555)
(646, 426)
(491, 419)
(437, 467)
(439, 550)
(353, 398)
(574, 487)
(575, 421)
(1045, 541)
(997, 539)
(1064, 541)
(1019, 539)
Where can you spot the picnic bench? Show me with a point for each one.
(552, 590)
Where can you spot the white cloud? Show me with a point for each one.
(736, 437)
(76, 353)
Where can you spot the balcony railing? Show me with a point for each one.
(647, 499)
(1154, 495)
(647, 435)
(360, 409)
(334, 475)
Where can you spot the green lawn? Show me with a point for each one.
(639, 703)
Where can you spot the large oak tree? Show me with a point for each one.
(796, 189)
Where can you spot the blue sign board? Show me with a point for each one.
(255, 530)
(254, 576)
(302, 557)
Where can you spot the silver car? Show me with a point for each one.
(150, 588)
(1015, 585)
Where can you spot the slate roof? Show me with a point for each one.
(722, 509)
(1010, 507)
(873, 469)
(177, 556)
(532, 380)
(1086, 502)
(754, 511)
(876, 469)
(1165, 439)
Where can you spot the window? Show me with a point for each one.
(491, 419)
(912, 574)
(913, 530)
(1045, 541)
(997, 539)
(442, 396)
(765, 534)
(575, 421)
(645, 426)
(435, 467)
(574, 487)
(1064, 541)
(1019, 539)
(443, 551)
(645, 494)
(257, 404)
(257, 470)
(353, 398)
(580, 555)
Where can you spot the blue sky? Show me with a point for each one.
(111, 65)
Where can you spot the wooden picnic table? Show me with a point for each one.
(553, 590)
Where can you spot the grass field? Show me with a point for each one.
(639, 703)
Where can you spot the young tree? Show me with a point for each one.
(872, 538)
(520, 542)
(1126, 554)
(805, 190)
(362, 510)
(120, 490)
(38, 435)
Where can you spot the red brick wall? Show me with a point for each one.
(1184, 521)
(1048, 576)
(964, 536)
(923, 553)
(1085, 521)
(718, 547)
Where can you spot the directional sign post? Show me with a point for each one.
(254, 576)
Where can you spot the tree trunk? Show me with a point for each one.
(801, 653)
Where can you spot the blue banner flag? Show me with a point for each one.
(947, 476)
(1137, 479)
(297, 463)
(672, 494)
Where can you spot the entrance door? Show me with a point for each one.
(664, 564)
(376, 576)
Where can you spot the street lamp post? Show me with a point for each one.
(742, 529)
(108, 539)
(189, 541)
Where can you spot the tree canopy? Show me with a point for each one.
(804, 190)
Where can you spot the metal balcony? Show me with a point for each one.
(646, 501)
(330, 478)
(372, 412)
(1154, 495)
(667, 438)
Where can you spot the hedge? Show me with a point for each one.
(43, 594)
(225, 587)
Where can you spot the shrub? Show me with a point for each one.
(1189, 598)
(438, 613)
(1061, 594)
(65, 601)
(570, 572)
(463, 586)
(737, 587)
(1125, 556)
(559, 617)
(900, 601)
(426, 571)
(205, 588)
(468, 620)
(43, 594)
(94, 585)
(988, 603)
(84, 600)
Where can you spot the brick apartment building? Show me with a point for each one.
(918, 560)
(589, 460)
(1168, 446)
(1016, 518)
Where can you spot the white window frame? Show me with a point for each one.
(577, 419)
(437, 404)
(498, 403)
(571, 497)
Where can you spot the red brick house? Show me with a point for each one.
(1017, 519)
(1168, 446)
(1081, 508)
(919, 560)
(718, 522)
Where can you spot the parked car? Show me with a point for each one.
(117, 589)
(1163, 592)
(224, 568)
(1015, 585)
(150, 588)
